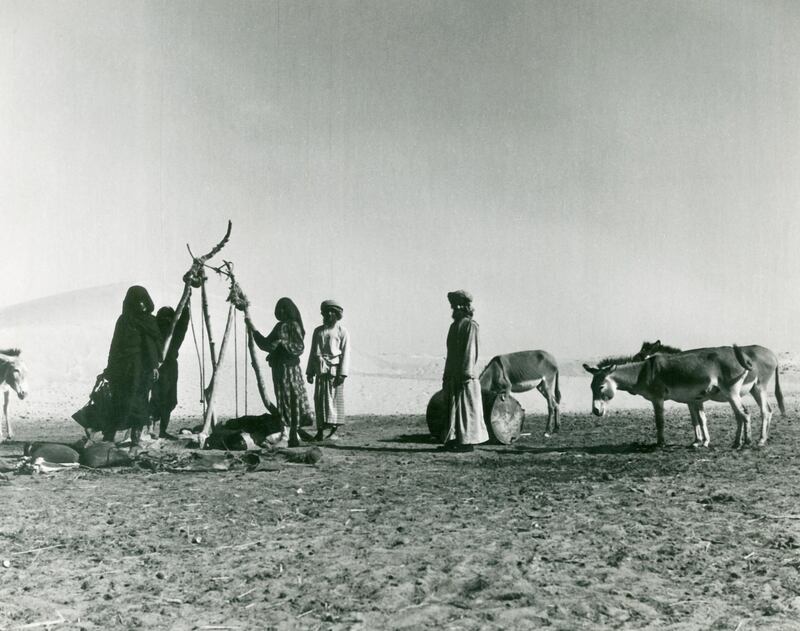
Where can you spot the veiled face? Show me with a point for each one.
(137, 300)
(329, 317)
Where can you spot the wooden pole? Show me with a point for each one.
(193, 278)
(207, 318)
(262, 388)
(184, 300)
(207, 422)
(207, 389)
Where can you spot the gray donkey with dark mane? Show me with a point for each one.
(754, 357)
(723, 374)
(523, 371)
(13, 376)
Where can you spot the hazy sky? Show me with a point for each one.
(595, 173)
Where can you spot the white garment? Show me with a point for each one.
(330, 351)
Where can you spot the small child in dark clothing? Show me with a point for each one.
(164, 396)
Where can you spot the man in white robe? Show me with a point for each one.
(462, 390)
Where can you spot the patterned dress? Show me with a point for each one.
(285, 345)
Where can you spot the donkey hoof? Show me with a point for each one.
(547, 434)
(696, 444)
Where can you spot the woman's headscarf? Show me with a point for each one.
(287, 311)
(164, 318)
(143, 320)
(136, 335)
(137, 294)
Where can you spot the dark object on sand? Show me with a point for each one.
(7, 465)
(312, 455)
(243, 433)
(503, 414)
(98, 414)
(51, 452)
(216, 460)
(104, 454)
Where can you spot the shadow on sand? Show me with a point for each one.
(419, 439)
(517, 449)
(621, 448)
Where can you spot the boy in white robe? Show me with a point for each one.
(328, 367)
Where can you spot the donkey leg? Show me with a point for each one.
(766, 413)
(701, 415)
(553, 403)
(556, 413)
(542, 388)
(658, 409)
(742, 421)
(698, 433)
(6, 395)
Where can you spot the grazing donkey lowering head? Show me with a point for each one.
(494, 378)
(12, 372)
(604, 387)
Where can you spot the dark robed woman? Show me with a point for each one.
(284, 346)
(132, 364)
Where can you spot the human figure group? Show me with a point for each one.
(327, 368)
(144, 385)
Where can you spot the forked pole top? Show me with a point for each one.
(196, 275)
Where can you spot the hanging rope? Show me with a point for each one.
(197, 352)
(235, 365)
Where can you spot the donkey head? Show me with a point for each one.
(604, 387)
(15, 375)
(648, 349)
(494, 379)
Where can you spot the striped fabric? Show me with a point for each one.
(328, 402)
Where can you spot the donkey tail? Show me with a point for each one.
(778, 393)
(740, 357)
(558, 391)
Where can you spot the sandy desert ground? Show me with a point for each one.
(591, 529)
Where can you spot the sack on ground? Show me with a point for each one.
(231, 439)
(104, 455)
(52, 452)
(243, 433)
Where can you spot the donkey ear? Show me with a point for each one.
(657, 343)
(588, 368)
